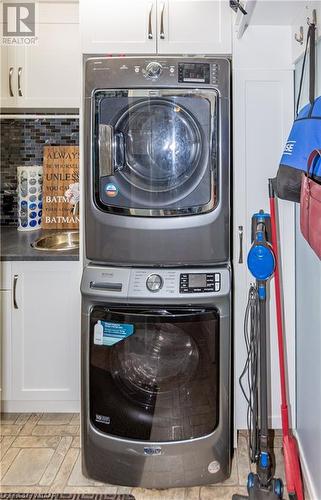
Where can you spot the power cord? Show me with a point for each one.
(249, 377)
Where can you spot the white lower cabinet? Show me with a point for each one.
(41, 337)
(5, 334)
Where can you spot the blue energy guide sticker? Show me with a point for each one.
(106, 333)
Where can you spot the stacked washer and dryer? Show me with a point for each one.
(156, 288)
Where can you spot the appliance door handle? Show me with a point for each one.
(111, 147)
(10, 82)
(162, 313)
(150, 27)
(119, 150)
(15, 281)
(105, 148)
(162, 33)
(240, 244)
(19, 81)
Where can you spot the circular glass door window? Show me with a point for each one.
(168, 361)
(163, 146)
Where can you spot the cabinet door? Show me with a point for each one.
(49, 73)
(45, 340)
(118, 26)
(194, 27)
(258, 146)
(5, 335)
(9, 89)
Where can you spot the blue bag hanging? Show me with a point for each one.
(305, 135)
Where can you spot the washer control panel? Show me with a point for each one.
(168, 284)
(199, 282)
(178, 283)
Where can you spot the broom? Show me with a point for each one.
(290, 448)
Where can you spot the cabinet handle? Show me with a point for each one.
(10, 82)
(150, 28)
(15, 281)
(19, 81)
(162, 33)
(241, 244)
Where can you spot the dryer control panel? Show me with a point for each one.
(157, 72)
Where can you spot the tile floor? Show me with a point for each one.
(40, 453)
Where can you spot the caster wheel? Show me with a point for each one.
(250, 481)
(278, 488)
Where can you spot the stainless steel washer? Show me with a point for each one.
(157, 160)
(156, 376)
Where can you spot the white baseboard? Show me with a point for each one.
(40, 406)
(308, 481)
(274, 422)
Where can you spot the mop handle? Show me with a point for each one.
(284, 406)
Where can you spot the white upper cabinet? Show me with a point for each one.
(194, 27)
(47, 74)
(50, 72)
(155, 26)
(118, 26)
(9, 80)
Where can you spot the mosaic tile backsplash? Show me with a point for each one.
(21, 143)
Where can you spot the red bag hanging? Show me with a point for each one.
(310, 205)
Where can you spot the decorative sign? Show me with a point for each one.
(60, 187)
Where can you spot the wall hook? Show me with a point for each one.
(314, 18)
(299, 37)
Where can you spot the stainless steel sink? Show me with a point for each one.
(57, 242)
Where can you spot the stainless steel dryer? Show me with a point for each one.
(156, 376)
(157, 160)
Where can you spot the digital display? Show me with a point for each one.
(194, 72)
(197, 280)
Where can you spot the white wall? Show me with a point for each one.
(308, 341)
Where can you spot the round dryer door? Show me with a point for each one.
(163, 147)
(155, 155)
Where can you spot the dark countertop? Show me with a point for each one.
(16, 245)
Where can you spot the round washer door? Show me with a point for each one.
(154, 373)
(163, 150)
